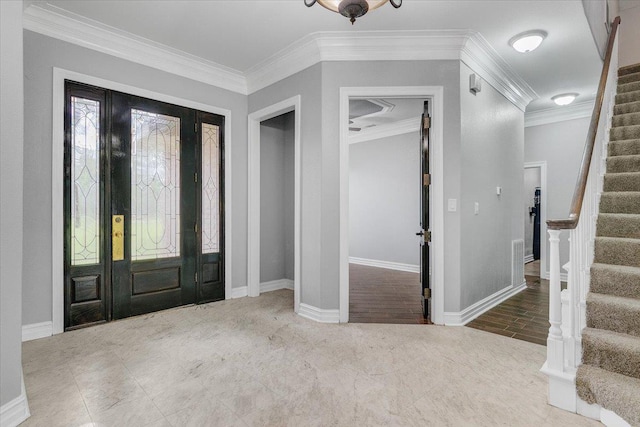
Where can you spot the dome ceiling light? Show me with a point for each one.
(527, 41)
(352, 9)
(565, 98)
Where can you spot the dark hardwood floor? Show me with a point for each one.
(380, 295)
(524, 316)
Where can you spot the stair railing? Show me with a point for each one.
(567, 308)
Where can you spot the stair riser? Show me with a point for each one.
(631, 69)
(627, 203)
(610, 317)
(632, 107)
(628, 87)
(617, 251)
(635, 77)
(624, 133)
(616, 226)
(610, 359)
(630, 119)
(621, 164)
(622, 181)
(607, 280)
(624, 98)
(624, 148)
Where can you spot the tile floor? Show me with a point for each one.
(253, 362)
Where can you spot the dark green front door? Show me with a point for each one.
(143, 228)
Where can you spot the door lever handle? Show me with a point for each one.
(421, 233)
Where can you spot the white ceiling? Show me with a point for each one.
(241, 33)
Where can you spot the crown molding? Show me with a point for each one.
(385, 131)
(63, 25)
(547, 116)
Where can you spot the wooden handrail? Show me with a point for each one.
(578, 195)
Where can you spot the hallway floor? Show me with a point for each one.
(253, 362)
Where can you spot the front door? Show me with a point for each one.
(143, 233)
(425, 182)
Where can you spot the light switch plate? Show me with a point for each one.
(452, 205)
(476, 208)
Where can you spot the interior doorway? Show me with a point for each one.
(534, 215)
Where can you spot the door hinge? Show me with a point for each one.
(195, 177)
(195, 227)
(426, 122)
(195, 127)
(195, 277)
(426, 179)
(427, 293)
(427, 237)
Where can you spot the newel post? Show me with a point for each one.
(555, 347)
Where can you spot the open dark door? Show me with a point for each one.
(425, 182)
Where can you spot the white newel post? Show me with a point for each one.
(555, 345)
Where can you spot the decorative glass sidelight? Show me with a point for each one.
(155, 186)
(85, 181)
(210, 188)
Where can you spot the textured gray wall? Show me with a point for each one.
(11, 199)
(384, 198)
(41, 54)
(531, 181)
(492, 150)
(560, 145)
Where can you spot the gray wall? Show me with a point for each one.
(492, 144)
(11, 199)
(276, 198)
(560, 145)
(384, 199)
(531, 181)
(629, 44)
(41, 54)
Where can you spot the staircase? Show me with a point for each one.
(610, 370)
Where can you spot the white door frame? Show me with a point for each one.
(436, 201)
(543, 213)
(253, 214)
(57, 177)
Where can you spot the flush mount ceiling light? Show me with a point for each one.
(352, 9)
(565, 98)
(527, 41)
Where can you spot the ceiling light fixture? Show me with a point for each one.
(527, 41)
(352, 9)
(565, 98)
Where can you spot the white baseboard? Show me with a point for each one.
(563, 276)
(319, 314)
(37, 330)
(16, 411)
(240, 292)
(411, 268)
(461, 318)
(611, 419)
(528, 258)
(275, 285)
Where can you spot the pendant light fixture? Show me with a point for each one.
(352, 9)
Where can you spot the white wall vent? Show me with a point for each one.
(517, 262)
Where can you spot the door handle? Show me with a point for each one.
(117, 237)
(421, 233)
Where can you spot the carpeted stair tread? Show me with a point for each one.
(629, 107)
(618, 225)
(616, 314)
(624, 133)
(628, 78)
(624, 181)
(615, 280)
(620, 202)
(617, 251)
(612, 351)
(629, 69)
(612, 391)
(628, 119)
(628, 87)
(624, 98)
(618, 164)
(624, 148)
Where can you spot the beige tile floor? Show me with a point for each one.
(252, 362)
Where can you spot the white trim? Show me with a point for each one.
(15, 411)
(35, 331)
(240, 292)
(564, 277)
(461, 318)
(411, 268)
(253, 206)
(578, 110)
(385, 131)
(57, 176)
(276, 285)
(611, 419)
(72, 28)
(437, 205)
(543, 215)
(319, 314)
(528, 259)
